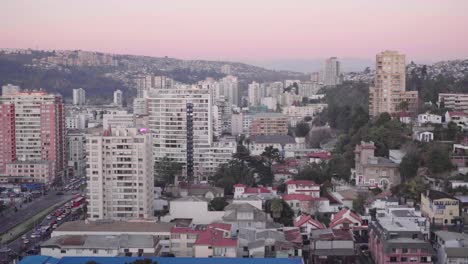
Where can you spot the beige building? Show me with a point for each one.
(120, 175)
(269, 124)
(439, 207)
(389, 89)
(374, 171)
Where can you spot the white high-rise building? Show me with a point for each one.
(330, 74)
(76, 147)
(10, 89)
(229, 88)
(307, 89)
(255, 94)
(140, 106)
(179, 119)
(120, 175)
(118, 100)
(79, 96)
(118, 120)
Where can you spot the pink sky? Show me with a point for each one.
(241, 29)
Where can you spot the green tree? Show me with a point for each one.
(280, 211)
(409, 165)
(236, 171)
(438, 159)
(166, 170)
(218, 204)
(302, 129)
(359, 204)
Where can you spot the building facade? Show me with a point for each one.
(79, 96)
(120, 175)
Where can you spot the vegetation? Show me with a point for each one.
(166, 170)
(302, 129)
(217, 204)
(280, 211)
(359, 204)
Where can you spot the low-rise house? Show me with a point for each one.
(269, 243)
(303, 187)
(428, 118)
(396, 155)
(404, 117)
(400, 236)
(348, 220)
(306, 224)
(332, 246)
(306, 203)
(463, 207)
(100, 245)
(451, 247)
(246, 216)
(284, 143)
(253, 200)
(242, 191)
(423, 136)
(374, 171)
(204, 191)
(319, 157)
(459, 156)
(440, 208)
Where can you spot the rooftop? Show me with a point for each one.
(100, 241)
(114, 226)
(435, 195)
(278, 139)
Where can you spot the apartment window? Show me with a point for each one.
(63, 251)
(393, 259)
(404, 250)
(175, 245)
(404, 259)
(413, 259)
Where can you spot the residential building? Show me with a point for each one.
(269, 243)
(98, 245)
(330, 74)
(319, 157)
(451, 247)
(242, 191)
(79, 96)
(297, 114)
(440, 208)
(303, 187)
(400, 236)
(118, 120)
(374, 171)
(10, 89)
(228, 87)
(194, 208)
(269, 124)
(332, 246)
(32, 136)
(423, 136)
(284, 143)
(76, 150)
(454, 102)
(389, 90)
(255, 94)
(237, 124)
(348, 220)
(120, 174)
(118, 99)
(307, 224)
(459, 118)
(245, 215)
(140, 106)
(303, 203)
(308, 89)
(428, 118)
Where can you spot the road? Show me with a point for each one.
(29, 210)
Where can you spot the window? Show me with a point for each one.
(404, 250)
(413, 259)
(404, 259)
(63, 251)
(175, 236)
(393, 259)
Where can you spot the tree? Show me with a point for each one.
(280, 211)
(313, 172)
(438, 159)
(166, 170)
(302, 129)
(307, 119)
(318, 136)
(403, 106)
(409, 165)
(218, 204)
(236, 171)
(359, 203)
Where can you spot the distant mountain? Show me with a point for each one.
(311, 65)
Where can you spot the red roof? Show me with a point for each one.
(222, 226)
(293, 236)
(337, 234)
(257, 190)
(455, 113)
(404, 114)
(320, 155)
(240, 185)
(185, 230)
(340, 218)
(301, 182)
(308, 219)
(301, 197)
(215, 238)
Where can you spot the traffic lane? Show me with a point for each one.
(13, 219)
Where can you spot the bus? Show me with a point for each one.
(78, 202)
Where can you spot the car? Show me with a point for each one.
(49, 217)
(24, 237)
(33, 235)
(59, 218)
(54, 226)
(26, 241)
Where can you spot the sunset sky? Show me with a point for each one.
(426, 30)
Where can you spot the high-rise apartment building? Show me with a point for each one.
(10, 89)
(180, 120)
(118, 100)
(269, 124)
(76, 148)
(120, 174)
(453, 101)
(389, 90)
(330, 74)
(255, 94)
(79, 96)
(32, 136)
(229, 88)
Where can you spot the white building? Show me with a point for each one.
(254, 93)
(331, 73)
(298, 113)
(429, 118)
(270, 102)
(118, 120)
(193, 208)
(451, 247)
(79, 96)
(303, 187)
(118, 100)
(308, 89)
(228, 87)
(120, 175)
(237, 127)
(140, 106)
(10, 89)
(459, 118)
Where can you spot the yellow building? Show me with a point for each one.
(439, 207)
